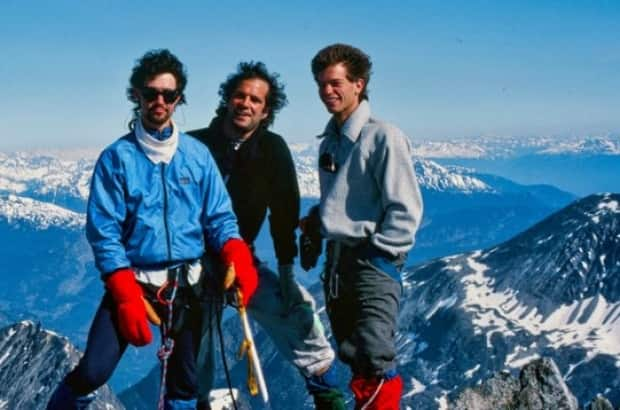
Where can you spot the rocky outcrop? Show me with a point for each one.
(540, 387)
(32, 363)
(600, 403)
(496, 393)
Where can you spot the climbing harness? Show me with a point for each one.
(167, 345)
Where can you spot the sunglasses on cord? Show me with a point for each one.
(327, 162)
(151, 94)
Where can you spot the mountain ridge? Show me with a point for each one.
(66, 181)
(506, 147)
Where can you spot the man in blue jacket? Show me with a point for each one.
(260, 176)
(156, 202)
(369, 212)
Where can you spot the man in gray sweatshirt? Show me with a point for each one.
(369, 211)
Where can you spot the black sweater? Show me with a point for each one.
(260, 175)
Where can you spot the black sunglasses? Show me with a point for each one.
(327, 162)
(151, 94)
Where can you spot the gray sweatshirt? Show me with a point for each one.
(373, 193)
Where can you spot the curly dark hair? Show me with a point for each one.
(276, 97)
(357, 62)
(152, 63)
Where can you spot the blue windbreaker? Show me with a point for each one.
(142, 214)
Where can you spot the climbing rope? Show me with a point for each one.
(167, 343)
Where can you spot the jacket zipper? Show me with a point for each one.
(163, 182)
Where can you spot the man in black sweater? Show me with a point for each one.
(259, 173)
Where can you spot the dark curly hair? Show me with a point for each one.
(357, 62)
(276, 97)
(152, 63)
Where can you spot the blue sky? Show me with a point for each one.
(441, 69)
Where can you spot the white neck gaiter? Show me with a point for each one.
(157, 151)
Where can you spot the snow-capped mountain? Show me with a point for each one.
(462, 207)
(430, 175)
(63, 177)
(503, 147)
(47, 178)
(435, 177)
(552, 291)
(40, 215)
(32, 363)
(582, 166)
(66, 181)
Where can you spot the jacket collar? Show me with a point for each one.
(352, 127)
(216, 129)
(216, 126)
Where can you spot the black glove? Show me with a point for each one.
(291, 295)
(310, 241)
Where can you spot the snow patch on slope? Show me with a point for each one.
(22, 173)
(42, 215)
(591, 322)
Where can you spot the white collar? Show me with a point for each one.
(157, 151)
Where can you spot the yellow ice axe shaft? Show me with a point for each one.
(256, 380)
(152, 316)
(252, 383)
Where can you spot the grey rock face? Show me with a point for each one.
(542, 387)
(600, 403)
(32, 363)
(497, 393)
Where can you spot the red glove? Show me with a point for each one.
(236, 252)
(127, 295)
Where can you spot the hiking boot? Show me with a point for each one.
(328, 399)
(324, 389)
(64, 398)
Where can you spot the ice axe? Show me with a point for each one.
(151, 315)
(256, 380)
